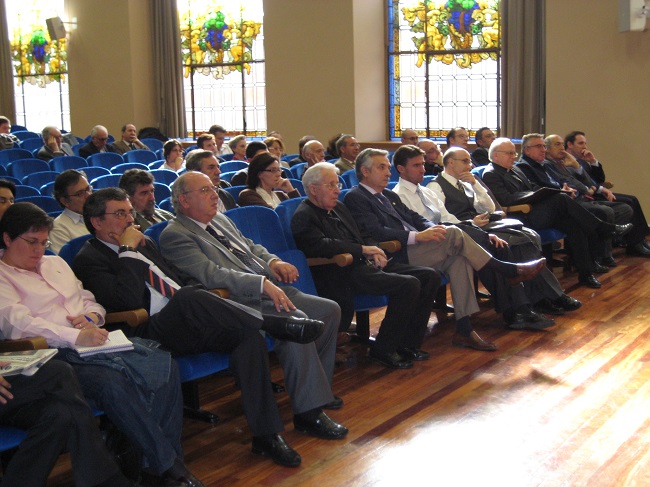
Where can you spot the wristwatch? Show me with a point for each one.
(125, 248)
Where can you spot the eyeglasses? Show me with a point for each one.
(509, 153)
(536, 146)
(466, 161)
(4, 201)
(121, 214)
(275, 170)
(34, 244)
(331, 186)
(102, 139)
(79, 194)
(205, 190)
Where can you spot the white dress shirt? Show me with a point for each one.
(482, 200)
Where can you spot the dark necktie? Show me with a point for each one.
(244, 258)
(132, 146)
(460, 187)
(386, 203)
(159, 284)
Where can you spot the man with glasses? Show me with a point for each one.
(98, 142)
(210, 248)
(53, 145)
(432, 156)
(458, 137)
(484, 138)
(409, 136)
(586, 233)
(125, 270)
(322, 227)
(129, 140)
(206, 162)
(7, 195)
(71, 189)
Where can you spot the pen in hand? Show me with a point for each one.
(89, 319)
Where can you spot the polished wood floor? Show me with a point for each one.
(565, 407)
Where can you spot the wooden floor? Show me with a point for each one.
(565, 407)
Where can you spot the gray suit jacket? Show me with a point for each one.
(195, 251)
(121, 147)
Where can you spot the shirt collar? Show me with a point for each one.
(73, 215)
(403, 183)
(372, 191)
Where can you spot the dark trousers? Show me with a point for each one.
(53, 410)
(640, 230)
(410, 290)
(196, 321)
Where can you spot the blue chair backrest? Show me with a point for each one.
(10, 155)
(285, 211)
(289, 157)
(105, 159)
(261, 225)
(23, 191)
(161, 191)
(17, 128)
(427, 179)
(350, 178)
(153, 144)
(234, 191)
(45, 203)
(164, 176)
(38, 179)
(224, 176)
(166, 205)
(298, 170)
(93, 172)
(26, 134)
(142, 156)
(159, 153)
(46, 189)
(108, 181)
(125, 166)
(63, 163)
(76, 147)
(392, 184)
(344, 184)
(155, 230)
(394, 175)
(227, 157)
(3, 171)
(72, 248)
(478, 171)
(343, 193)
(297, 184)
(305, 282)
(31, 144)
(22, 167)
(232, 166)
(12, 179)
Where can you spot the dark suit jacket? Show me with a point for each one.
(89, 149)
(597, 173)
(375, 219)
(480, 156)
(122, 147)
(509, 187)
(537, 173)
(118, 283)
(227, 199)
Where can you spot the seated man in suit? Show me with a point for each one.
(484, 138)
(53, 144)
(129, 140)
(210, 248)
(125, 270)
(71, 190)
(51, 407)
(323, 227)
(432, 157)
(585, 232)
(313, 152)
(380, 212)
(206, 162)
(138, 184)
(575, 144)
(98, 142)
(348, 149)
(441, 201)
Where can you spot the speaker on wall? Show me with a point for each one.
(55, 28)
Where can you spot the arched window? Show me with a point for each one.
(444, 65)
(39, 65)
(222, 46)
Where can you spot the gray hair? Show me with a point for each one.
(178, 188)
(342, 140)
(46, 131)
(314, 174)
(364, 159)
(496, 145)
(232, 143)
(194, 159)
(96, 129)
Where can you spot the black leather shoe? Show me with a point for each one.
(638, 250)
(321, 427)
(590, 281)
(600, 269)
(391, 360)
(473, 341)
(277, 449)
(293, 329)
(608, 261)
(337, 403)
(413, 354)
(546, 306)
(528, 321)
(567, 303)
(620, 230)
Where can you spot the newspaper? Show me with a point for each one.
(26, 362)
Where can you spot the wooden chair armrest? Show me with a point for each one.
(221, 292)
(341, 260)
(608, 184)
(20, 344)
(391, 246)
(133, 317)
(525, 208)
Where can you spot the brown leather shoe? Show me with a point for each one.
(473, 341)
(526, 271)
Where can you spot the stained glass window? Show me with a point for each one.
(443, 63)
(223, 61)
(39, 65)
